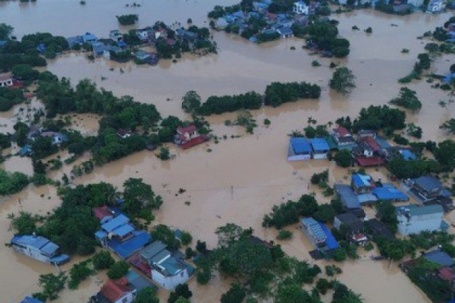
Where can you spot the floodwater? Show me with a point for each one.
(237, 180)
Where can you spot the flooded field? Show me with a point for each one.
(237, 180)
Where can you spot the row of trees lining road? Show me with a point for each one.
(275, 94)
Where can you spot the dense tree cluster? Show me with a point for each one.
(277, 93)
(343, 80)
(380, 117)
(11, 183)
(10, 97)
(129, 19)
(407, 99)
(222, 104)
(404, 169)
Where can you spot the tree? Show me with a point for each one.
(164, 153)
(147, 295)
(180, 291)
(5, 31)
(229, 234)
(52, 285)
(449, 125)
(102, 260)
(129, 19)
(186, 238)
(445, 153)
(407, 99)
(343, 80)
(118, 270)
(387, 214)
(166, 235)
(291, 293)
(343, 158)
(203, 275)
(43, 147)
(191, 102)
(11, 183)
(78, 273)
(24, 224)
(235, 294)
(139, 197)
(325, 213)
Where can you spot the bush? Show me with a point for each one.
(118, 270)
(343, 158)
(129, 19)
(284, 235)
(102, 260)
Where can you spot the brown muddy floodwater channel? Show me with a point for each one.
(237, 180)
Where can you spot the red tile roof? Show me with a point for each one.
(446, 273)
(101, 212)
(371, 142)
(373, 161)
(342, 131)
(188, 129)
(114, 290)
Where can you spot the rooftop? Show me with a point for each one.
(347, 196)
(416, 210)
(115, 223)
(188, 129)
(439, 257)
(319, 144)
(38, 242)
(127, 248)
(300, 145)
(342, 131)
(360, 180)
(101, 212)
(115, 290)
(389, 193)
(428, 183)
(31, 300)
(152, 249)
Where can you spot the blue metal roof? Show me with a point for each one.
(60, 259)
(389, 194)
(172, 266)
(347, 196)
(128, 247)
(319, 144)
(382, 142)
(408, 155)
(31, 300)
(315, 228)
(439, 257)
(37, 242)
(330, 241)
(428, 183)
(360, 180)
(300, 146)
(115, 223)
(123, 230)
(101, 234)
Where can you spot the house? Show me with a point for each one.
(41, 48)
(426, 188)
(362, 184)
(319, 235)
(163, 267)
(98, 48)
(121, 237)
(388, 192)
(350, 221)
(115, 35)
(439, 257)
(299, 149)
(150, 58)
(115, 291)
(188, 136)
(285, 32)
(89, 38)
(124, 133)
(300, 8)
(378, 229)
(73, 41)
(413, 219)
(57, 138)
(187, 35)
(436, 6)
(31, 300)
(342, 136)
(347, 196)
(103, 214)
(145, 33)
(6, 79)
(38, 248)
(319, 147)
(366, 133)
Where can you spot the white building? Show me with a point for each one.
(38, 248)
(6, 79)
(166, 270)
(300, 8)
(413, 219)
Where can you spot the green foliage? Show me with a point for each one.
(339, 255)
(164, 153)
(11, 183)
(102, 260)
(424, 63)
(414, 131)
(404, 169)
(291, 293)
(380, 117)
(331, 270)
(323, 285)
(24, 224)
(10, 97)
(5, 31)
(236, 294)
(140, 199)
(369, 30)
(315, 63)
(278, 93)
(219, 105)
(186, 238)
(343, 294)
(316, 178)
(427, 240)
(191, 102)
(325, 213)
(5, 141)
(147, 295)
(166, 235)
(129, 19)
(289, 212)
(25, 72)
(449, 125)
(343, 80)
(180, 291)
(245, 119)
(407, 99)
(284, 234)
(203, 275)
(118, 270)
(78, 273)
(343, 158)
(51, 286)
(387, 214)
(445, 154)
(395, 249)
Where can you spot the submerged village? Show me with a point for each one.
(262, 151)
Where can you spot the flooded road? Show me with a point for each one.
(237, 180)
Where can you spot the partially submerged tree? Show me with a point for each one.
(343, 80)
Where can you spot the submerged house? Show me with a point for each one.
(342, 136)
(362, 184)
(39, 248)
(188, 136)
(427, 188)
(436, 6)
(413, 219)
(353, 227)
(103, 214)
(319, 148)
(31, 300)
(300, 8)
(319, 235)
(120, 236)
(165, 268)
(115, 291)
(299, 149)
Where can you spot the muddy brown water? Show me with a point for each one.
(237, 180)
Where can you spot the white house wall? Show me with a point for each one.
(169, 282)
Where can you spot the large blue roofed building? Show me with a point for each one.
(319, 235)
(320, 148)
(299, 149)
(39, 248)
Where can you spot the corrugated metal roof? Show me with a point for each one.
(50, 248)
(152, 249)
(439, 257)
(115, 223)
(347, 196)
(123, 230)
(300, 145)
(319, 144)
(428, 183)
(37, 242)
(360, 180)
(315, 229)
(366, 198)
(416, 210)
(172, 266)
(389, 194)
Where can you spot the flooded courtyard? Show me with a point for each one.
(237, 180)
